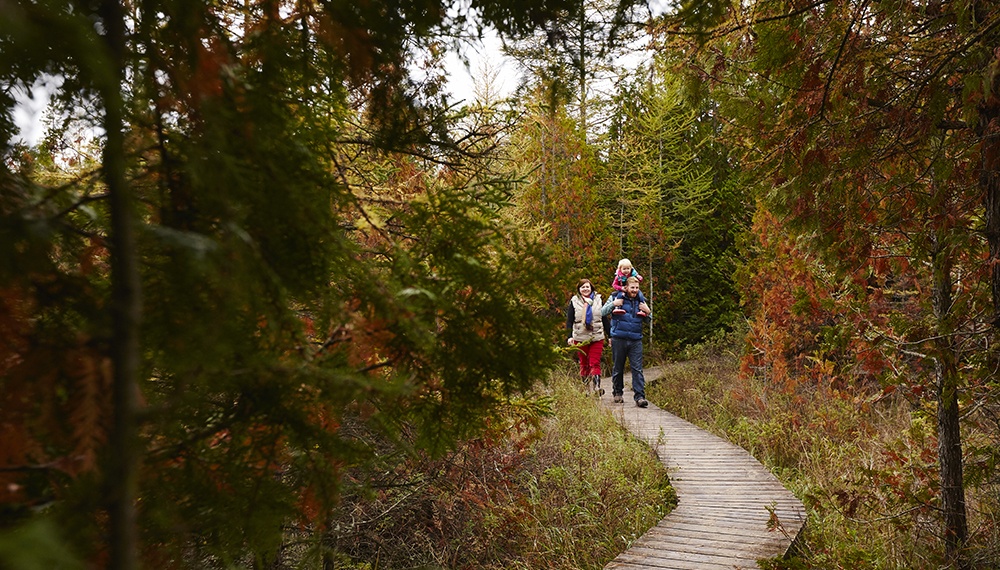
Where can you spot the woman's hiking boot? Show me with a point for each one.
(597, 385)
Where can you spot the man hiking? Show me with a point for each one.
(626, 341)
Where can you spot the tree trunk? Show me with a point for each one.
(950, 458)
(949, 432)
(989, 182)
(122, 475)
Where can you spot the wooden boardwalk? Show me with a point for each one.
(731, 511)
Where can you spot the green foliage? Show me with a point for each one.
(699, 17)
(454, 280)
(568, 63)
(245, 402)
(36, 545)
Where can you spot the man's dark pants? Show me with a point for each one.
(622, 348)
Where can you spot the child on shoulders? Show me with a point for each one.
(624, 271)
(622, 274)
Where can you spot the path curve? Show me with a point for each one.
(731, 511)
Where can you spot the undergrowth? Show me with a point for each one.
(863, 463)
(559, 485)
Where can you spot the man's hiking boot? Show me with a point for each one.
(619, 399)
(641, 402)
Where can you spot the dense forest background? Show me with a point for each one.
(261, 281)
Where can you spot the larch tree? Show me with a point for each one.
(561, 196)
(575, 59)
(673, 215)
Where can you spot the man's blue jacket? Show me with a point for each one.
(629, 325)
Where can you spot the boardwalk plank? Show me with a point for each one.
(724, 494)
(690, 549)
(695, 539)
(649, 558)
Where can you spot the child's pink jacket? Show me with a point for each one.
(618, 283)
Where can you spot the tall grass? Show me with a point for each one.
(864, 464)
(559, 485)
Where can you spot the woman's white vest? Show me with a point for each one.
(580, 332)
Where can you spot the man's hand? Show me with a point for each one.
(645, 308)
(618, 302)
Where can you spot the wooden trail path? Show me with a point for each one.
(725, 497)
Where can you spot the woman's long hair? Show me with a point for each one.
(589, 324)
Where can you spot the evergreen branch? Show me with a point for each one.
(80, 232)
(86, 199)
(720, 32)
(377, 365)
(50, 466)
(951, 55)
(840, 53)
(408, 152)
(339, 335)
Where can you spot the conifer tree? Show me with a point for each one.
(575, 59)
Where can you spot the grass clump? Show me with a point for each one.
(557, 484)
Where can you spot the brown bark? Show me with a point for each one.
(949, 432)
(989, 181)
(122, 474)
(950, 459)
